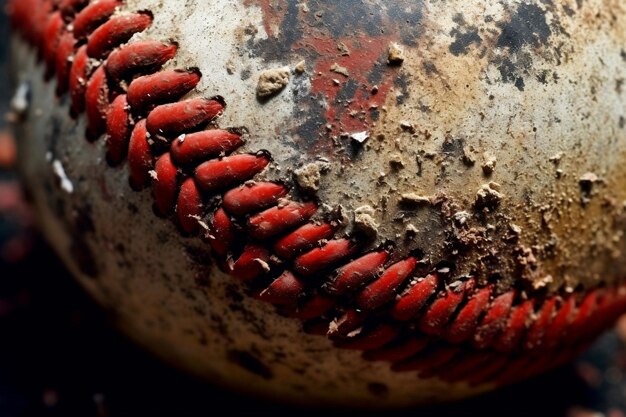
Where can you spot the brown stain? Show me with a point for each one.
(562, 243)
(352, 113)
(589, 232)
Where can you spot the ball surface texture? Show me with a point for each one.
(370, 203)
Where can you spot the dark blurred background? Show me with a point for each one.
(59, 355)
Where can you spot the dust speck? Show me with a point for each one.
(364, 221)
(300, 67)
(489, 164)
(339, 70)
(395, 55)
(414, 200)
(308, 178)
(272, 82)
(488, 196)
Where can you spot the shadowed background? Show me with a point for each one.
(59, 355)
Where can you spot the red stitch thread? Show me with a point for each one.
(65, 52)
(316, 306)
(221, 173)
(487, 371)
(52, 34)
(471, 363)
(41, 14)
(189, 206)
(349, 322)
(435, 357)
(494, 320)
(250, 198)
(279, 219)
(322, 258)
(398, 350)
(92, 16)
(161, 87)
(373, 339)
(303, 239)
(79, 74)
(118, 130)
(372, 301)
(438, 314)
(383, 290)
(536, 332)
(114, 32)
(512, 333)
(97, 103)
(173, 119)
(464, 326)
(222, 233)
(412, 301)
(147, 56)
(140, 157)
(357, 273)
(252, 263)
(284, 290)
(164, 184)
(561, 322)
(200, 146)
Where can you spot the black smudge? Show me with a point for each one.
(528, 26)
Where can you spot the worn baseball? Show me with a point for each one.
(358, 202)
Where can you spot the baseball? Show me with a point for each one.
(358, 202)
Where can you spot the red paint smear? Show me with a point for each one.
(270, 17)
(351, 114)
(365, 53)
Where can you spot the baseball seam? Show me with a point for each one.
(361, 298)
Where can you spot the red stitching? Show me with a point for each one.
(251, 264)
(92, 16)
(163, 87)
(312, 307)
(279, 219)
(365, 300)
(165, 184)
(322, 258)
(97, 103)
(413, 300)
(171, 120)
(222, 233)
(118, 130)
(138, 57)
(303, 239)
(218, 174)
(114, 32)
(66, 47)
(384, 289)
(284, 290)
(189, 206)
(140, 157)
(494, 320)
(357, 273)
(349, 322)
(252, 197)
(52, 34)
(79, 74)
